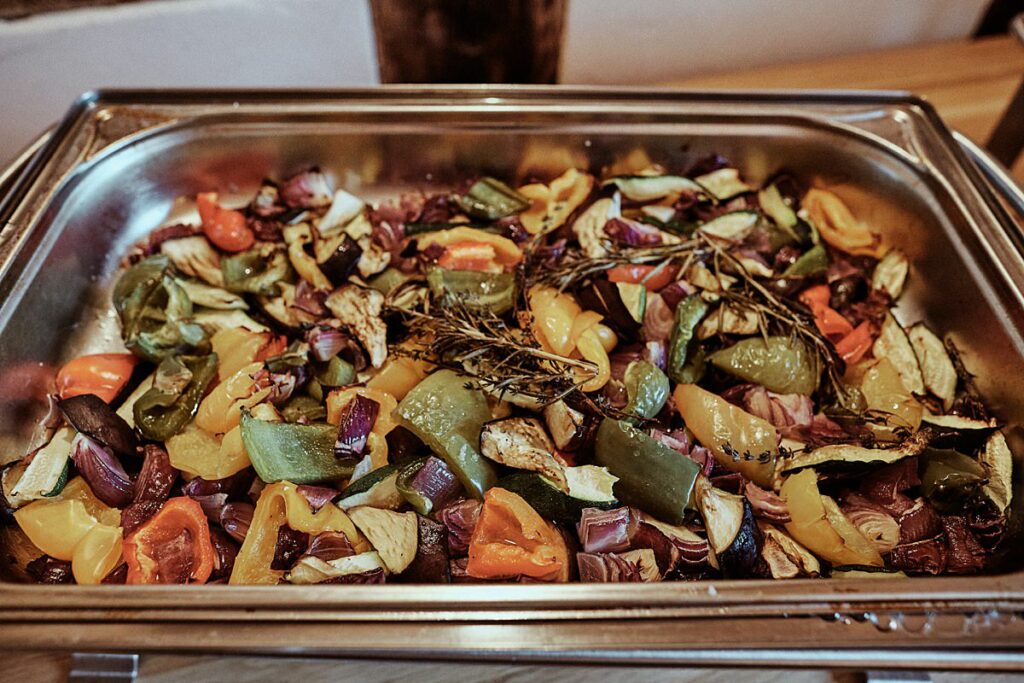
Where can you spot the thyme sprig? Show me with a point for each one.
(575, 266)
(501, 358)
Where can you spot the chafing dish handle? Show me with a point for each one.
(997, 177)
(12, 171)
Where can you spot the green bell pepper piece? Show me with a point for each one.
(495, 292)
(172, 401)
(647, 388)
(303, 409)
(492, 199)
(779, 364)
(950, 481)
(652, 476)
(303, 454)
(256, 272)
(683, 367)
(812, 262)
(447, 415)
(335, 373)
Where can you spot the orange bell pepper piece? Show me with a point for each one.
(511, 539)
(179, 520)
(645, 275)
(853, 346)
(828, 320)
(226, 228)
(102, 374)
(470, 256)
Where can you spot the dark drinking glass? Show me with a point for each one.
(468, 41)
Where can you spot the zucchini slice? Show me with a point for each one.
(552, 503)
(893, 343)
(937, 369)
(45, 473)
(840, 457)
(782, 214)
(376, 489)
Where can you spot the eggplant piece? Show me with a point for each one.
(392, 534)
(937, 369)
(377, 489)
(194, 257)
(891, 273)
(951, 481)
(359, 310)
(893, 343)
(787, 559)
(846, 457)
(90, 415)
(310, 569)
(723, 184)
(732, 530)
(645, 188)
(432, 562)
(568, 427)
(607, 299)
(522, 443)
(342, 260)
(997, 460)
(732, 227)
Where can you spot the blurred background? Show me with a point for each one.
(53, 50)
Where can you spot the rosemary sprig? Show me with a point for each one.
(575, 266)
(776, 313)
(500, 358)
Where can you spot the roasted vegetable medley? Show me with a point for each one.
(628, 376)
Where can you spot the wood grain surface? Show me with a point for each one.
(970, 83)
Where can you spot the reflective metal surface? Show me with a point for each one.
(116, 165)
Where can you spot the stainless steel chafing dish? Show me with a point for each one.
(113, 168)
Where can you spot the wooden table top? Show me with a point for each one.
(969, 82)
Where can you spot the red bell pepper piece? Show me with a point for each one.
(172, 547)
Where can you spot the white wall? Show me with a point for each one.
(46, 61)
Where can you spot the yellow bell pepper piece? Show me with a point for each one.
(76, 527)
(399, 375)
(204, 455)
(221, 410)
(838, 226)
(281, 504)
(236, 347)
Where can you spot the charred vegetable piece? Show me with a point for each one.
(644, 188)
(172, 547)
(310, 569)
(174, 398)
(731, 528)
(342, 260)
(740, 442)
(683, 365)
(303, 454)
(511, 539)
(494, 292)
(652, 476)
(155, 312)
(846, 457)
(818, 524)
(336, 373)
(448, 416)
(779, 364)
(937, 369)
(812, 262)
(619, 303)
(997, 460)
(394, 535)
(568, 427)
(893, 344)
(377, 489)
(358, 309)
(427, 484)
(431, 564)
(951, 481)
(522, 443)
(787, 559)
(257, 271)
(647, 388)
(589, 487)
(491, 199)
